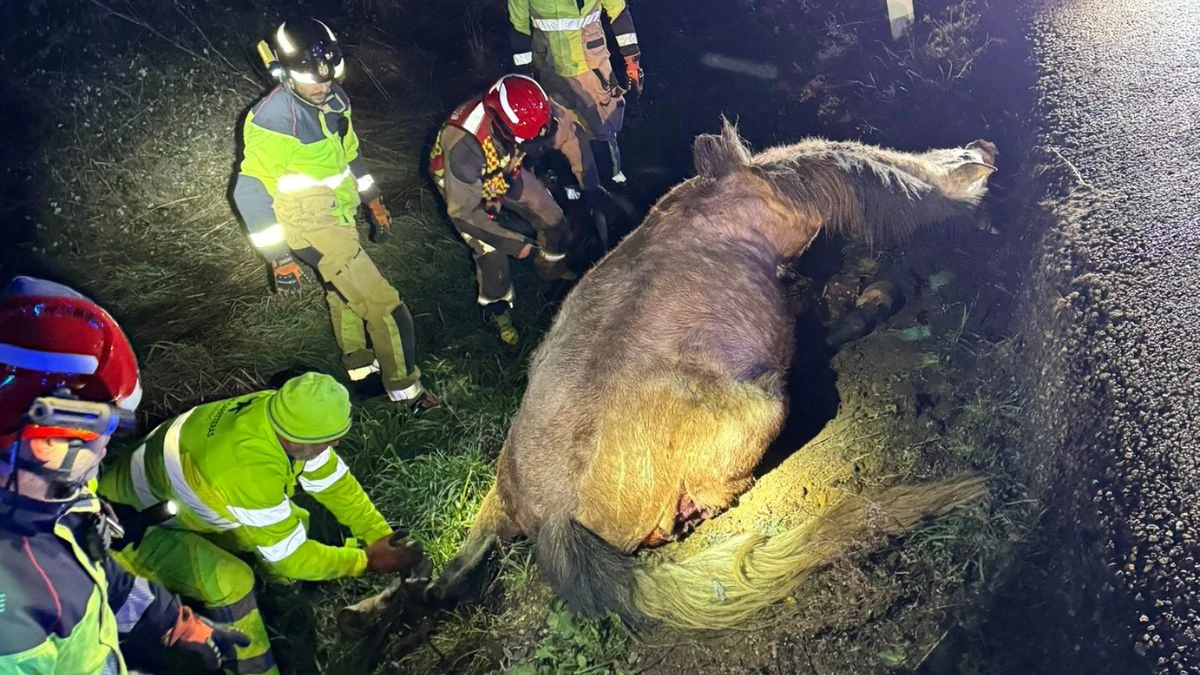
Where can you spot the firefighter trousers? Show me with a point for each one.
(356, 292)
(594, 96)
(529, 199)
(196, 567)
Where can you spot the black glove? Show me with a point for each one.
(134, 523)
(215, 643)
(594, 200)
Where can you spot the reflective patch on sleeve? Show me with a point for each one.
(523, 59)
(140, 597)
(319, 461)
(271, 235)
(262, 517)
(284, 548)
(627, 39)
(365, 183)
(315, 485)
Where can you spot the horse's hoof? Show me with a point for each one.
(356, 620)
(352, 624)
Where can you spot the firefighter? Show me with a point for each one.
(68, 381)
(301, 182)
(232, 466)
(563, 41)
(477, 165)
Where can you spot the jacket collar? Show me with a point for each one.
(27, 516)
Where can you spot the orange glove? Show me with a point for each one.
(633, 71)
(287, 274)
(215, 643)
(378, 214)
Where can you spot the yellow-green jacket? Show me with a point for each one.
(223, 465)
(292, 146)
(569, 30)
(63, 609)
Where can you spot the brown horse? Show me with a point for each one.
(660, 383)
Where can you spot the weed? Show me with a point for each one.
(574, 645)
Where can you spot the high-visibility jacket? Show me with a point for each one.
(570, 29)
(291, 146)
(63, 612)
(224, 467)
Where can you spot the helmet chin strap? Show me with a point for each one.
(61, 485)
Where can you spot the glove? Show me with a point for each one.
(394, 553)
(594, 200)
(633, 71)
(214, 643)
(379, 218)
(287, 274)
(378, 214)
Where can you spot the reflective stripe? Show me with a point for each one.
(552, 257)
(316, 485)
(284, 42)
(566, 24)
(272, 235)
(110, 664)
(137, 473)
(357, 374)
(234, 611)
(140, 597)
(319, 461)
(523, 59)
(293, 182)
(626, 39)
(175, 473)
(507, 297)
(473, 120)
(48, 362)
(262, 517)
(487, 248)
(303, 77)
(407, 393)
(365, 183)
(134, 398)
(285, 547)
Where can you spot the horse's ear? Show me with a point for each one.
(720, 155)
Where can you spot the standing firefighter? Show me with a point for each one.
(232, 466)
(476, 163)
(68, 381)
(301, 182)
(563, 40)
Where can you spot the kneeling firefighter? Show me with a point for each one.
(477, 165)
(233, 466)
(301, 182)
(68, 382)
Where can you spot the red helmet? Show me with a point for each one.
(51, 339)
(520, 105)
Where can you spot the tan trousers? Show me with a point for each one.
(356, 291)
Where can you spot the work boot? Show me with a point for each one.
(504, 325)
(424, 402)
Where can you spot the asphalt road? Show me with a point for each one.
(1120, 88)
